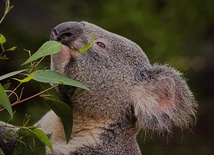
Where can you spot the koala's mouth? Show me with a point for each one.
(69, 51)
(66, 41)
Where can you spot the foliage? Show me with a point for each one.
(31, 139)
(2, 54)
(8, 7)
(62, 110)
(176, 32)
(5, 101)
(45, 76)
(48, 48)
(87, 46)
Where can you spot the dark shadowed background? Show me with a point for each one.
(178, 32)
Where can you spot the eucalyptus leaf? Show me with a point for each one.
(42, 137)
(53, 77)
(12, 48)
(2, 39)
(30, 145)
(23, 132)
(35, 132)
(4, 101)
(5, 76)
(87, 46)
(48, 48)
(63, 111)
(27, 79)
(7, 86)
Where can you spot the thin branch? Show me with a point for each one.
(7, 9)
(38, 94)
(13, 91)
(32, 69)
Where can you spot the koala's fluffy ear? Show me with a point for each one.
(162, 99)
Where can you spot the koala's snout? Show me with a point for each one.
(67, 32)
(64, 37)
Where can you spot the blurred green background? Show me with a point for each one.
(178, 32)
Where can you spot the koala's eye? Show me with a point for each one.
(102, 45)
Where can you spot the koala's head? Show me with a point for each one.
(124, 85)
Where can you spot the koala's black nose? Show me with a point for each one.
(67, 32)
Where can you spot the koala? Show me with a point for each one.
(127, 93)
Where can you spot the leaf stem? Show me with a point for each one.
(33, 68)
(2, 47)
(7, 9)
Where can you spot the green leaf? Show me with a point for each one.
(48, 48)
(11, 49)
(27, 79)
(30, 145)
(87, 46)
(63, 111)
(4, 101)
(42, 137)
(7, 85)
(53, 77)
(2, 39)
(1, 152)
(11, 74)
(35, 132)
(23, 132)
(11, 132)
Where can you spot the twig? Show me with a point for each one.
(7, 9)
(13, 91)
(17, 102)
(32, 69)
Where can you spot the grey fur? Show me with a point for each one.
(127, 93)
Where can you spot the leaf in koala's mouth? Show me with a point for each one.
(73, 49)
(83, 49)
(87, 46)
